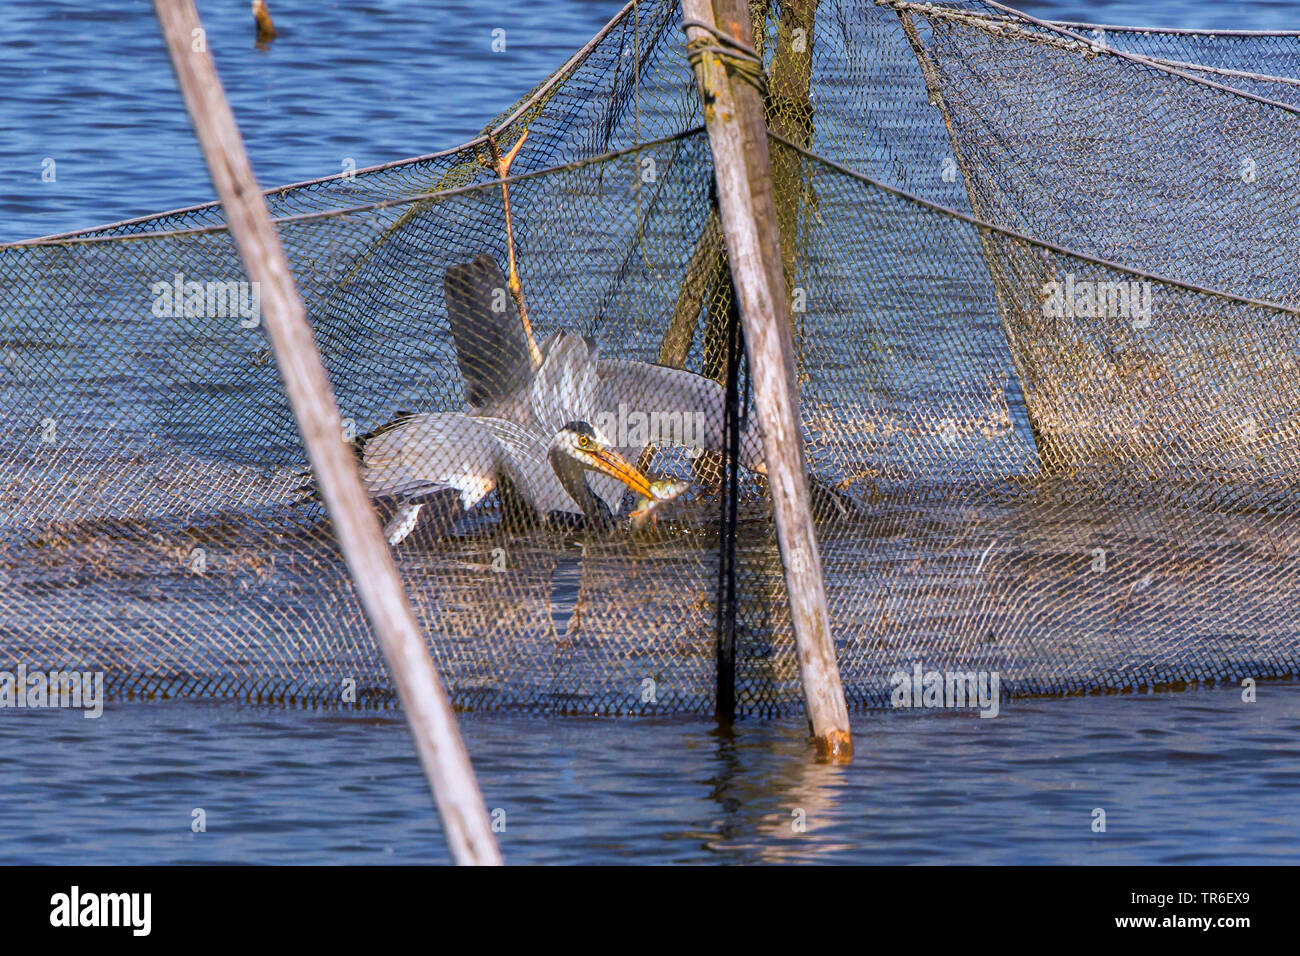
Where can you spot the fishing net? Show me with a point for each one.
(1045, 331)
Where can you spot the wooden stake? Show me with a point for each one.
(437, 738)
(790, 115)
(262, 17)
(733, 114)
(704, 266)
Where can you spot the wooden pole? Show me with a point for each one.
(733, 114)
(789, 112)
(703, 268)
(790, 115)
(437, 738)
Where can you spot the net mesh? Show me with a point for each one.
(1045, 335)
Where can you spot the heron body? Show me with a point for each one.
(550, 418)
(416, 455)
(570, 472)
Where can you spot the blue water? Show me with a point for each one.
(1193, 777)
(89, 86)
(1196, 777)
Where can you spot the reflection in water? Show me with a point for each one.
(775, 806)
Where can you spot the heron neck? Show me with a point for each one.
(573, 478)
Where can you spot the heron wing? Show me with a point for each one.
(564, 389)
(419, 455)
(655, 404)
(491, 346)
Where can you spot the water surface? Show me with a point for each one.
(1195, 777)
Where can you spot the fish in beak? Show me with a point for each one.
(663, 491)
(611, 463)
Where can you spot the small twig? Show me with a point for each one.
(501, 165)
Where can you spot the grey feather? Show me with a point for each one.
(519, 407)
(665, 397)
(422, 454)
(491, 348)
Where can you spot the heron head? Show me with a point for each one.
(591, 450)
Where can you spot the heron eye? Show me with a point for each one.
(583, 441)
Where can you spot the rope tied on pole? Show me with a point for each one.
(740, 59)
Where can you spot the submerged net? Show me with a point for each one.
(1046, 341)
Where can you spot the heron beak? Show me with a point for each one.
(615, 465)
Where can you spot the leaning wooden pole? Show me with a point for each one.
(733, 114)
(437, 738)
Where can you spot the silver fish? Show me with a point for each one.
(664, 490)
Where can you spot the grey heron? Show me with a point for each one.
(539, 415)
(553, 419)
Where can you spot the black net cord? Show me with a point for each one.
(725, 706)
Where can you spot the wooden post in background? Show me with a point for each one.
(437, 738)
(734, 116)
(790, 115)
